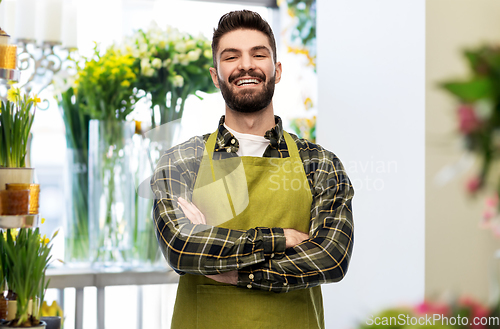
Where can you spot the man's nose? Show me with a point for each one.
(246, 63)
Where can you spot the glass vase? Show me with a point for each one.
(149, 149)
(77, 216)
(111, 193)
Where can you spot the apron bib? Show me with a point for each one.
(243, 193)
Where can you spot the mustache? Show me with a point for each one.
(247, 74)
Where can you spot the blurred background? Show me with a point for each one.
(387, 86)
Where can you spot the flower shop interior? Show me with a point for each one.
(403, 92)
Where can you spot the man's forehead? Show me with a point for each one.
(244, 39)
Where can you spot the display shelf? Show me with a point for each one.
(19, 221)
(9, 74)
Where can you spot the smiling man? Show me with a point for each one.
(253, 218)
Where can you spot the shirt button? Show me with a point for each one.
(233, 141)
(251, 276)
(249, 286)
(228, 150)
(272, 255)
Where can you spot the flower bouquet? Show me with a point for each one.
(76, 122)
(104, 85)
(478, 116)
(462, 313)
(171, 66)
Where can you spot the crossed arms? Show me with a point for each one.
(266, 258)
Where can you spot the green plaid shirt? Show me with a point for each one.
(258, 254)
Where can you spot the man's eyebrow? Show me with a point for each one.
(229, 50)
(234, 50)
(261, 48)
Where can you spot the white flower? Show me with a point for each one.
(167, 62)
(143, 48)
(207, 53)
(178, 81)
(148, 72)
(176, 59)
(193, 55)
(180, 46)
(183, 59)
(145, 63)
(190, 44)
(156, 63)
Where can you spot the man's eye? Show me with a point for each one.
(230, 58)
(260, 56)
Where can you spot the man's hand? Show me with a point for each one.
(227, 277)
(192, 213)
(294, 237)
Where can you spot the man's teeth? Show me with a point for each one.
(246, 81)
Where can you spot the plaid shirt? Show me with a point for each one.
(258, 254)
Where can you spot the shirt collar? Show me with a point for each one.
(226, 140)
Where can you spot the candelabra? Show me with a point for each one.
(41, 63)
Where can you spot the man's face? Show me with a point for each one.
(246, 73)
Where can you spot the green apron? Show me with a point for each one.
(243, 193)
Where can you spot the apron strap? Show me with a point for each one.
(209, 147)
(293, 151)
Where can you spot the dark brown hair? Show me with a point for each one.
(241, 19)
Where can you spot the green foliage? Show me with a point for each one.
(305, 27)
(16, 118)
(26, 257)
(76, 122)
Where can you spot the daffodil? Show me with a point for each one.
(13, 95)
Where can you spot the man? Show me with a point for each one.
(255, 219)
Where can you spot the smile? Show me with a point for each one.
(247, 82)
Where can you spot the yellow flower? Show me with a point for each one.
(125, 83)
(43, 220)
(13, 94)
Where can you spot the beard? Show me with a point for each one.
(248, 101)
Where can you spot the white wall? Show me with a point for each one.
(371, 71)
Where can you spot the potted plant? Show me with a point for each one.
(16, 118)
(25, 258)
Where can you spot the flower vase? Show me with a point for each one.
(111, 193)
(149, 149)
(77, 221)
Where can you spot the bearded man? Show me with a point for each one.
(252, 217)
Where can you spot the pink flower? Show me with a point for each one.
(468, 120)
(492, 202)
(477, 310)
(427, 307)
(473, 184)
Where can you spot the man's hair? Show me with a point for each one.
(241, 19)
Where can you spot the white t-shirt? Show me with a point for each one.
(250, 145)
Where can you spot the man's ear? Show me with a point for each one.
(278, 72)
(213, 73)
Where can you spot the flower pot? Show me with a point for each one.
(16, 175)
(53, 322)
(41, 325)
(12, 309)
